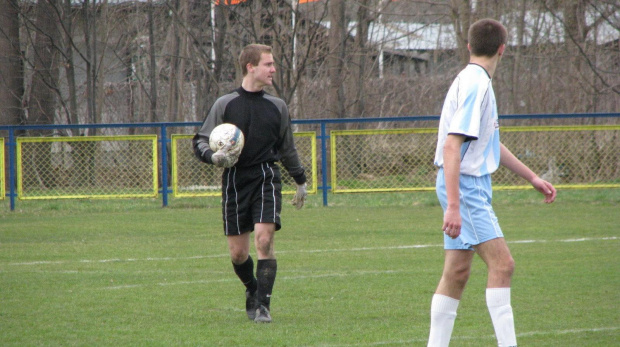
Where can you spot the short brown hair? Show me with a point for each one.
(486, 36)
(251, 54)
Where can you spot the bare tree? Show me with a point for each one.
(360, 56)
(461, 20)
(336, 58)
(519, 41)
(587, 73)
(152, 65)
(44, 90)
(11, 66)
(69, 64)
(169, 60)
(90, 39)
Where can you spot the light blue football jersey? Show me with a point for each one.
(470, 110)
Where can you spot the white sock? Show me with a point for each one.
(498, 302)
(443, 314)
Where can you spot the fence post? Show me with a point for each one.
(164, 165)
(324, 161)
(12, 168)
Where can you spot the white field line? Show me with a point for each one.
(355, 249)
(117, 260)
(280, 278)
(339, 274)
(487, 337)
(331, 274)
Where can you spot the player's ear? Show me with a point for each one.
(501, 49)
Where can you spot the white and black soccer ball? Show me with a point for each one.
(226, 133)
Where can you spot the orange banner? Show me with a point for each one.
(229, 2)
(237, 2)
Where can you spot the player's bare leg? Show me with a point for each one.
(456, 270)
(264, 240)
(457, 266)
(500, 263)
(266, 268)
(239, 247)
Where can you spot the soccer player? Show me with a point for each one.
(251, 181)
(468, 152)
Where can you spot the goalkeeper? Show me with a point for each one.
(251, 181)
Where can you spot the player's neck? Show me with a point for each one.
(251, 86)
(489, 64)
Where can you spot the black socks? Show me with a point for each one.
(266, 275)
(245, 272)
(263, 282)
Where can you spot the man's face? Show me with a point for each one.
(263, 72)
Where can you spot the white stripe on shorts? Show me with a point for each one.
(273, 191)
(232, 170)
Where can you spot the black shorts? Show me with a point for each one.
(249, 196)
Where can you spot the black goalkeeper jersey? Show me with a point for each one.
(266, 126)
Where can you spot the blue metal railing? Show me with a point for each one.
(164, 140)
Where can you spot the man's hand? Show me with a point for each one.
(233, 151)
(300, 196)
(546, 188)
(224, 157)
(452, 222)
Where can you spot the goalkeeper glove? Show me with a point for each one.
(300, 196)
(224, 157)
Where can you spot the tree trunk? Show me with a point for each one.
(336, 57)
(176, 52)
(575, 31)
(69, 63)
(515, 93)
(11, 67)
(43, 97)
(91, 66)
(358, 76)
(152, 67)
(44, 93)
(461, 19)
(220, 27)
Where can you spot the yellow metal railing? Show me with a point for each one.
(87, 167)
(402, 159)
(379, 160)
(190, 177)
(2, 170)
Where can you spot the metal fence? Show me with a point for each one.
(402, 159)
(2, 170)
(87, 167)
(388, 155)
(382, 160)
(190, 177)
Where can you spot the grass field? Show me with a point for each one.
(360, 272)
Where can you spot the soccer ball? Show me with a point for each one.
(226, 133)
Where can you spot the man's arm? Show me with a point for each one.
(202, 151)
(286, 147)
(200, 142)
(452, 171)
(290, 158)
(512, 163)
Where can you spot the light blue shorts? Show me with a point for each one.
(479, 223)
